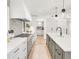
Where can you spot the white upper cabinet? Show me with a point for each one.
(19, 10)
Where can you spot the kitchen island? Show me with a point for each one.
(19, 47)
(59, 46)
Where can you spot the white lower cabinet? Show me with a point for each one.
(23, 51)
(19, 52)
(14, 54)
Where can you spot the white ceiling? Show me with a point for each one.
(46, 7)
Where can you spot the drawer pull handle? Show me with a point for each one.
(58, 52)
(16, 50)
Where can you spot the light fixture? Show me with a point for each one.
(63, 10)
(56, 12)
(56, 15)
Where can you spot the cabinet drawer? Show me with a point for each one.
(23, 48)
(16, 56)
(17, 50)
(33, 39)
(58, 50)
(58, 53)
(52, 48)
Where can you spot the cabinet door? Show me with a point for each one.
(24, 46)
(23, 49)
(66, 55)
(52, 46)
(29, 46)
(58, 53)
(24, 53)
(48, 40)
(24, 56)
(9, 55)
(33, 38)
(16, 56)
(15, 53)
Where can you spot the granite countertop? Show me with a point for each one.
(14, 43)
(63, 42)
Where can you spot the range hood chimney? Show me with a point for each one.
(18, 10)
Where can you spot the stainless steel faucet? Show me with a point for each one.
(59, 28)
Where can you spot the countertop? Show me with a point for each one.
(23, 35)
(14, 43)
(63, 42)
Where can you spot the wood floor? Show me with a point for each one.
(39, 49)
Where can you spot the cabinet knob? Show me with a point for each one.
(59, 53)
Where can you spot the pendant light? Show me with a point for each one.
(56, 10)
(63, 10)
(56, 13)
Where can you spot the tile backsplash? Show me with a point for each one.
(16, 25)
(52, 24)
